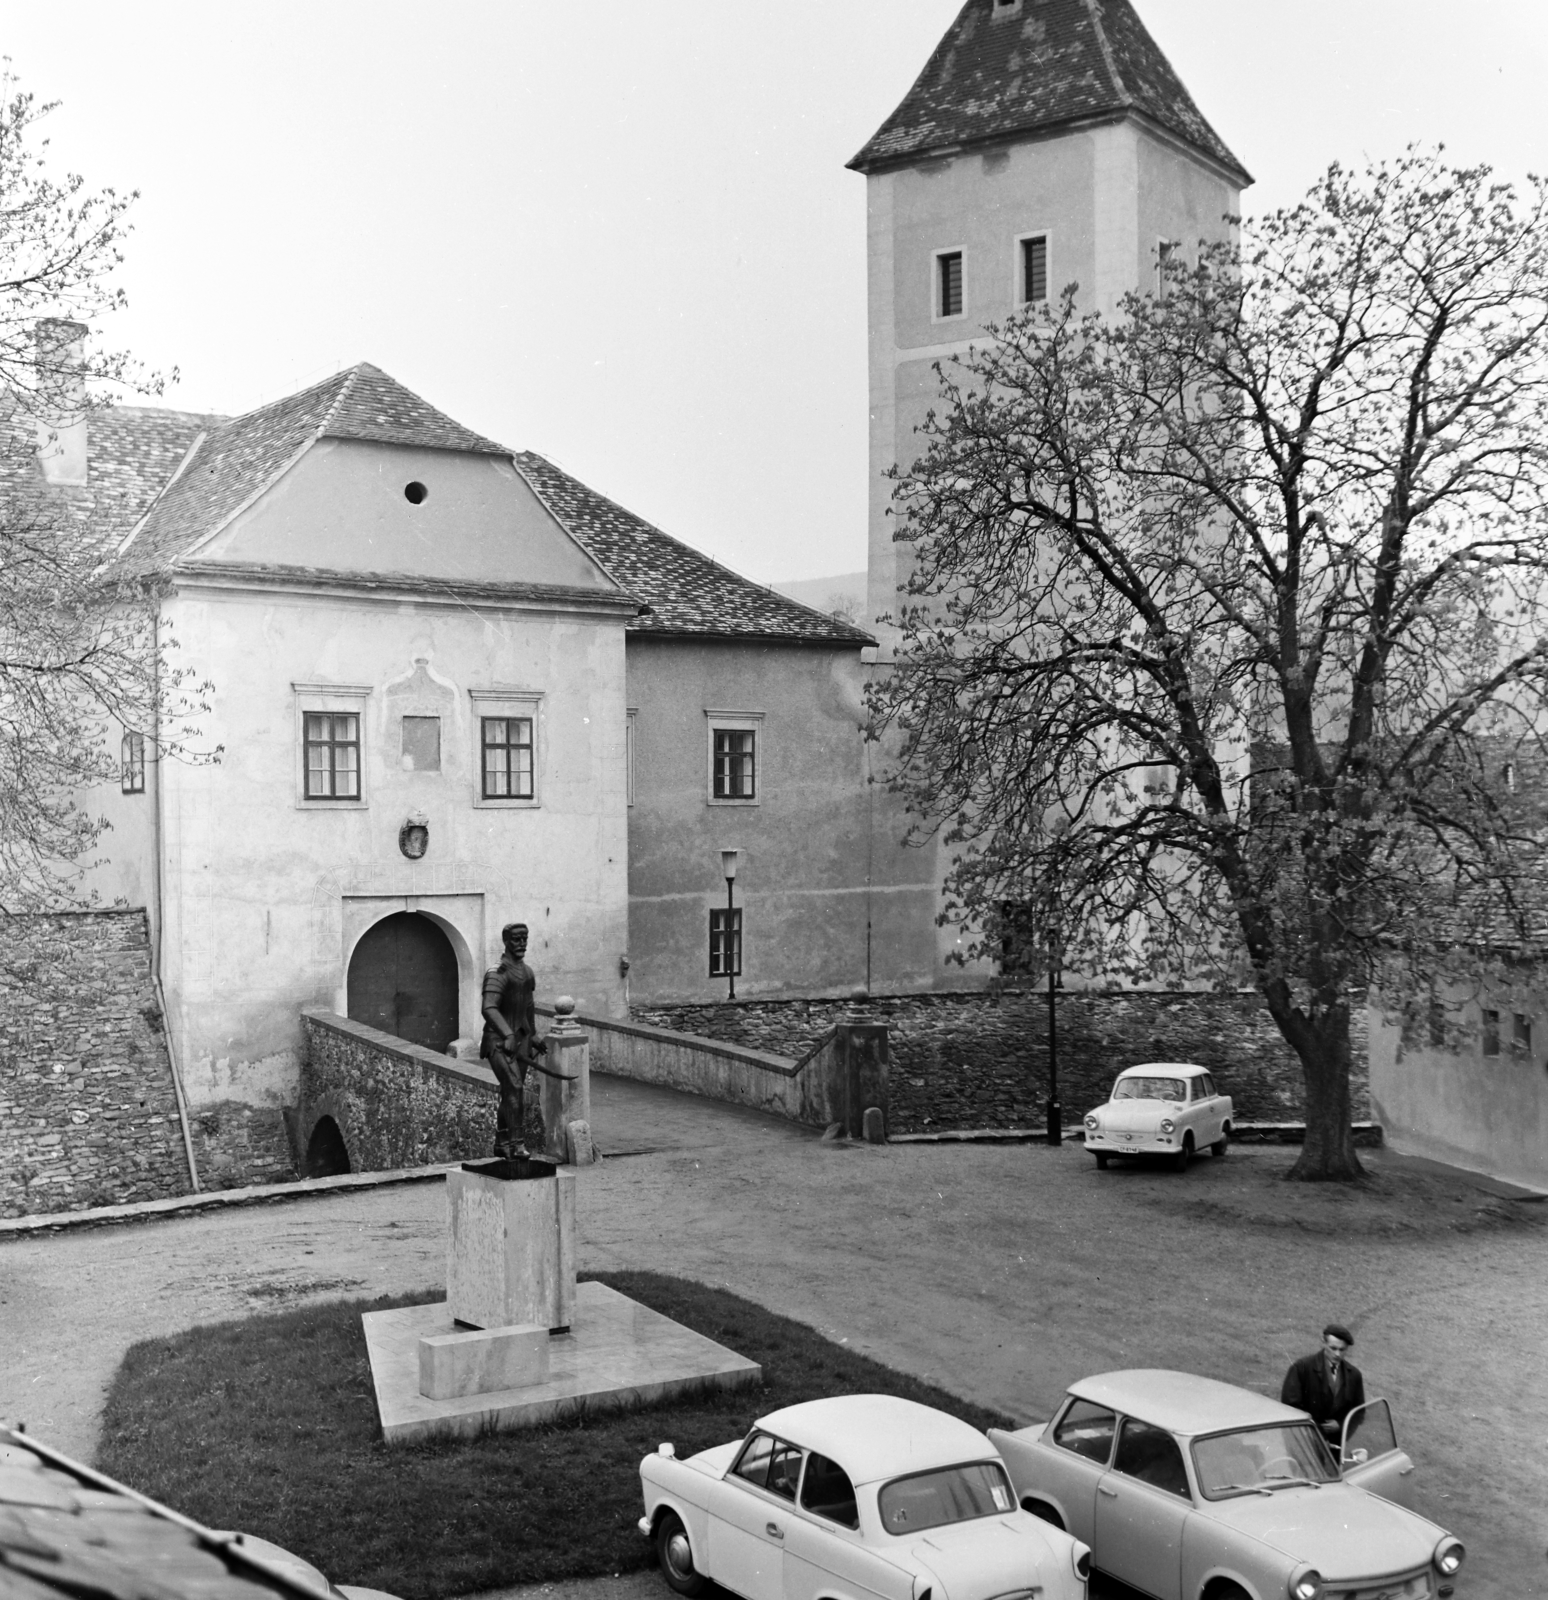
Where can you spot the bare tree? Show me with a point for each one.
(1225, 615)
(84, 658)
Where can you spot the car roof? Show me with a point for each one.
(1187, 1069)
(1181, 1402)
(875, 1436)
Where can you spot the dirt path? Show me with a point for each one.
(1001, 1272)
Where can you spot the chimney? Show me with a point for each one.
(61, 410)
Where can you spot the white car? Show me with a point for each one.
(858, 1497)
(1163, 1108)
(1190, 1489)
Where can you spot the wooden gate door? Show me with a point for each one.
(403, 980)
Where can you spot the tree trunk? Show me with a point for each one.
(1328, 1155)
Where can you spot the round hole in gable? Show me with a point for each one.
(415, 493)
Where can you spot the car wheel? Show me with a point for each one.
(1101, 1158)
(1229, 1591)
(1185, 1155)
(676, 1556)
(1222, 1144)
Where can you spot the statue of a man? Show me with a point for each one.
(510, 1044)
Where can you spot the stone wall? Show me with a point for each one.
(88, 1114)
(236, 1144)
(981, 1060)
(395, 1104)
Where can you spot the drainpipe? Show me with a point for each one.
(161, 993)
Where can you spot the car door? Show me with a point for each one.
(749, 1512)
(824, 1552)
(1142, 1505)
(1368, 1454)
(1082, 1439)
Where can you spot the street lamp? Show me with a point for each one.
(728, 944)
(1055, 1110)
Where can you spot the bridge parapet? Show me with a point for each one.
(835, 1081)
(371, 1102)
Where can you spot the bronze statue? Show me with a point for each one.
(510, 1044)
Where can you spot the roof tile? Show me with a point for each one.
(1038, 65)
(687, 592)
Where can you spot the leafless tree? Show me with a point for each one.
(1225, 615)
(84, 658)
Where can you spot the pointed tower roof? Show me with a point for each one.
(1009, 67)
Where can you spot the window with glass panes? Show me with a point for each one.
(736, 764)
(507, 758)
(725, 942)
(132, 763)
(332, 755)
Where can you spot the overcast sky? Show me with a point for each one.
(620, 232)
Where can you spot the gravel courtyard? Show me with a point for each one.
(1002, 1272)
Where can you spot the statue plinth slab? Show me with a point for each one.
(452, 1365)
(511, 1251)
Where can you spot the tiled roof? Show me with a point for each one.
(239, 458)
(1003, 71)
(133, 449)
(687, 593)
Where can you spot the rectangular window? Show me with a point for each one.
(948, 284)
(421, 744)
(725, 942)
(1491, 1033)
(1521, 1036)
(736, 764)
(1437, 1021)
(1034, 269)
(631, 719)
(1168, 266)
(507, 758)
(332, 755)
(132, 763)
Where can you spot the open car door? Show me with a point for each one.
(1369, 1455)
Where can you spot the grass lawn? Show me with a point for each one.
(269, 1425)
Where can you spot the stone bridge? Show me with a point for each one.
(370, 1102)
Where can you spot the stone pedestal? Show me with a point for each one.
(452, 1365)
(569, 1052)
(511, 1255)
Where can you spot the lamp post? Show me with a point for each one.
(728, 946)
(1055, 1110)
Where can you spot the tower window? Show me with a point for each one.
(948, 284)
(132, 763)
(1034, 269)
(1491, 1033)
(1168, 266)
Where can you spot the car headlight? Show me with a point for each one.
(1449, 1556)
(1092, 1122)
(1167, 1125)
(1306, 1584)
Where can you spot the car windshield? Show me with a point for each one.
(1150, 1089)
(1260, 1460)
(952, 1494)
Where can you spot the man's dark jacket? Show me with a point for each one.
(1306, 1388)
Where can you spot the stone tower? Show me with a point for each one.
(1046, 142)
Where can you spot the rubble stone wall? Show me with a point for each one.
(980, 1060)
(88, 1113)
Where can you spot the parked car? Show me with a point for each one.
(1189, 1489)
(1163, 1108)
(67, 1530)
(858, 1495)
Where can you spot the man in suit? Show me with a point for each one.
(1326, 1385)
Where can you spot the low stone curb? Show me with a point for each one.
(1367, 1135)
(259, 1194)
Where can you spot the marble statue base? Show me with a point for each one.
(511, 1244)
(618, 1355)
